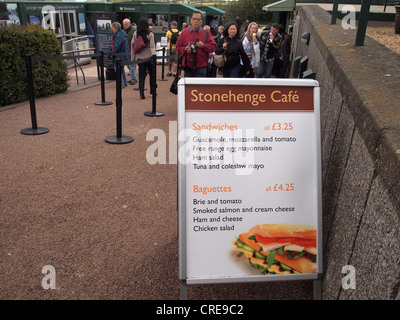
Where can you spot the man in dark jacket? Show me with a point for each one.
(270, 41)
(130, 30)
(120, 45)
(239, 24)
(287, 47)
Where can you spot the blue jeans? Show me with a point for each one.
(198, 72)
(123, 76)
(231, 72)
(132, 72)
(268, 65)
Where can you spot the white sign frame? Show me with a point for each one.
(182, 178)
(164, 42)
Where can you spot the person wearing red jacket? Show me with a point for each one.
(194, 45)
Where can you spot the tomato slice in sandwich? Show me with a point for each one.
(292, 245)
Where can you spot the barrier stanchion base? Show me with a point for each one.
(31, 131)
(119, 140)
(153, 114)
(137, 89)
(101, 103)
(161, 79)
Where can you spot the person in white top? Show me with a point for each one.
(252, 47)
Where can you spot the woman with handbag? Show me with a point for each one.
(232, 47)
(252, 47)
(143, 31)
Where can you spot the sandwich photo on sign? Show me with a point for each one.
(279, 248)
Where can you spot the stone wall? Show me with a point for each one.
(360, 125)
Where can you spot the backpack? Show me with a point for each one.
(174, 37)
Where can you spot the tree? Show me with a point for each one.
(247, 9)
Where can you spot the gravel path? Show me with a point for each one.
(100, 214)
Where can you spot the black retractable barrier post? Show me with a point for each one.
(163, 64)
(119, 138)
(35, 129)
(103, 101)
(153, 88)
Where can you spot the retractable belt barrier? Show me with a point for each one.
(163, 64)
(118, 138)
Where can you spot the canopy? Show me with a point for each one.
(185, 9)
(282, 5)
(211, 11)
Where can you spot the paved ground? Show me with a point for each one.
(100, 214)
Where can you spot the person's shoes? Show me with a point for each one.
(142, 95)
(169, 74)
(132, 82)
(174, 75)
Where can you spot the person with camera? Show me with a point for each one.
(194, 45)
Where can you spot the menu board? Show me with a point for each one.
(249, 180)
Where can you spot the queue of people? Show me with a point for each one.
(255, 53)
(124, 41)
(260, 53)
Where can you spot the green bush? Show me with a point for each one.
(49, 77)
